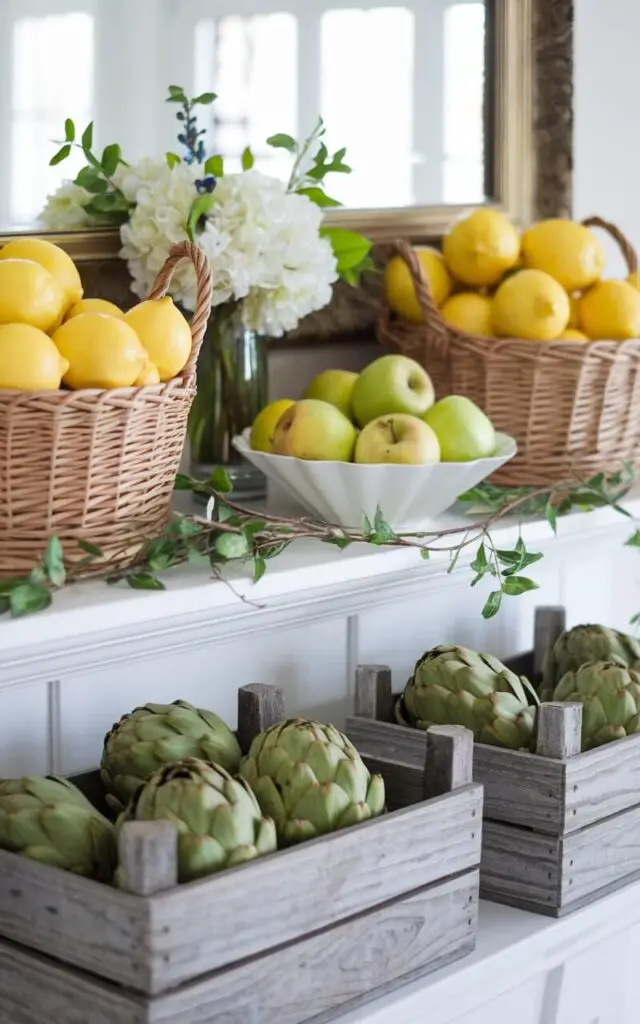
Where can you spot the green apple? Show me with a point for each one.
(334, 387)
(398, 438)
(391, 384)
(463, 430)
(310, 429)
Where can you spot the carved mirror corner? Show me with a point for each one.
(485, 116)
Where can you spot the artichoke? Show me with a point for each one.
(218, 819)
(49, 820)
(456, 686)
(159, 734)
(586, 643)
(311, 780)
(610, 696)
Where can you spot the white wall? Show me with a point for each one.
(607, 139)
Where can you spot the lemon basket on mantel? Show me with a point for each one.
(93, 465)
(572, 401)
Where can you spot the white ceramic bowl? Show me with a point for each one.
(341, 493)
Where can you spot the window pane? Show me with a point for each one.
(251, 62)
(464, 103)
(367, 102)
(53, 71)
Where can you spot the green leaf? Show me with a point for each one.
(248, 159)
(6, 586)
(111, 156)
(182, 483)
(635, 620)
(225, 514)
(551, 515)
(69, 130)
(633, 541)
(92, 181)
(318, 196)
(282, 141)
(37, 575)
(367, 528)
(340, 542)
(173, 159)
(425, 553)
(259, 568)
(91, 549)
(215, 165)
(480, 563)
(383, 532)
(492, 605)
(54, 562)
(28, 598)
(205, 98)
(61, 155)
(143, 581)
(513, 586)
(176, 94)
(251, 529)
(87, 137)
(5, 605)
(219, 481)
(199, 208)
(349, 248)
(231, 545)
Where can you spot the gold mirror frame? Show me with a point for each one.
(532, 166)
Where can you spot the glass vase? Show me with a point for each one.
(232, 389)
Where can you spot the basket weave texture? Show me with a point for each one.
(96, 465)
(573, 407)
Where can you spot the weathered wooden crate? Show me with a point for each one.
(561, 828)
(299, 935)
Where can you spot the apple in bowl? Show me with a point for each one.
(399, 439)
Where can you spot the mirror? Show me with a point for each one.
(408, 86)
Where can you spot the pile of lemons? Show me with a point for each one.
(543, 285)
(52, 337)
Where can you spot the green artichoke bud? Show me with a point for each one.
(218, 819)
(311, 780)
(456, 686)
(586, 643)
(159, 734)
(49, 820)
(610, 696)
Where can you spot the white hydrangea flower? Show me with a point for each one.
(65, 210)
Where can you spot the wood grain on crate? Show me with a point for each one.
(293, 984)
(153, 944)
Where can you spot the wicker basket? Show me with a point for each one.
(96, 465)
(573, 407)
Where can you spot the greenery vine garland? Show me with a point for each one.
(231, 533)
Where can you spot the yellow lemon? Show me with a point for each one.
(634, 279)
(571, 253)
(481, 248)
(52, 258)
(532, 305)
(29, 294)
(572, 334)
(574, 318)
(164, 333)
(265, 424)
(470, 312)
(29, 361)
(103, 351)
(94, 306)
(148, 375)
(610, 311)
(399, 290)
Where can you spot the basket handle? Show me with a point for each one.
(629, 253)
(204, 286)
(423, 292)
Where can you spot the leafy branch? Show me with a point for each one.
(109, 204)
(232, 534)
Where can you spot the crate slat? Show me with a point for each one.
(599, 855)
(318, 976)
(520, 867)
(602, 782)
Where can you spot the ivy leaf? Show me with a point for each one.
(91, 549)
(87, 137)
(259, 568)
(205, 98)
(340, 542)
(91, 180)
(111, 156)
(349, 248)
(251, 529)
(381, 529)
(28, 598)
(367, 528)
(282, 141)
(182, 483)
(173, 159)
(54, 563)
(513, 586)
(492, 605)
(231, 545)
(215, 165)
(318, 196)
(425, 554)
(61, 155)
(248, 159)
(219, 481)
(69, 130)
(551, 516)
(143, 581)
(199, 208)
(633, 541)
